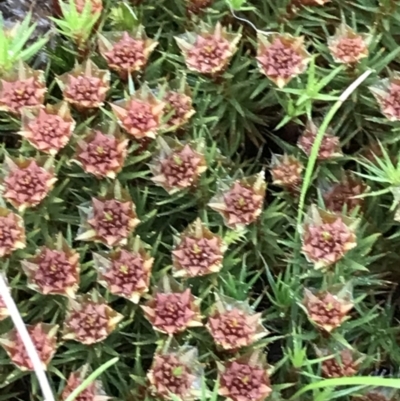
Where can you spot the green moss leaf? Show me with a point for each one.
(236, 4)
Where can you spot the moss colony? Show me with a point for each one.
(207, 191)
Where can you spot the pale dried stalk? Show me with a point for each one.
(27, 341)
(266, 33)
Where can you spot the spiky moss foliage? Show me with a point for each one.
(240, 118)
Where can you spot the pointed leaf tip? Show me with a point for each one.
(235, 4)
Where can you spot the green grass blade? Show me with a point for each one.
(318, 140)
(19, 41)
(349, 381)
(33, 49)
(91, 378)
(236, 4)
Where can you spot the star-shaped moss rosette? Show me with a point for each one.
(387, 94)
(4, 314)
(89, 319)
(47, 129)
(245, 378)
(378, 394)
(342, 197)
(328, 310)
(96, 6)
(347, 46)
(125, 272)
(3, 310)
(86, 86)
(330, 145)
(109, 219)
(343, 363)
(126, 52)
(176, 371)
(197, 252)
(395, 190)
(373, 151)
(77, 19)
(281, 57)
(93, 392)
(44, 337)
(177, 166)
(93, 6)
(172, 308)
(12, 232)
(54, 270)
(141, 114)
(286, 170)
(241, 203)
(27, 182)
(178, 104)
(209, 49)
(197, 6)
(327, 237)
(234, 324)
(23, 87)
(102, 151)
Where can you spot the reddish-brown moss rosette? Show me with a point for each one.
(22, 87)
(48, 129)
(245, 378)
(343, 197)
(86, 86)
(198, 252)
(387, 94)
(328, 310)
(89, 319)
(102, 151)
(126, 271)
(27, 182)
(176, 371)
(93, 392)
(208, 50)
(141, 114)
(178, 100)
(126, 52)
(330, 145)
(241, 203)
(344, 363)
(12, 232)
(281, 57)
(109, 219)
(54, 269)
(286, 171)
(347, 46)
(177, 166)
(327, 237)
(4, 313)
(234, 325)
(44, 338)
(172, 309)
